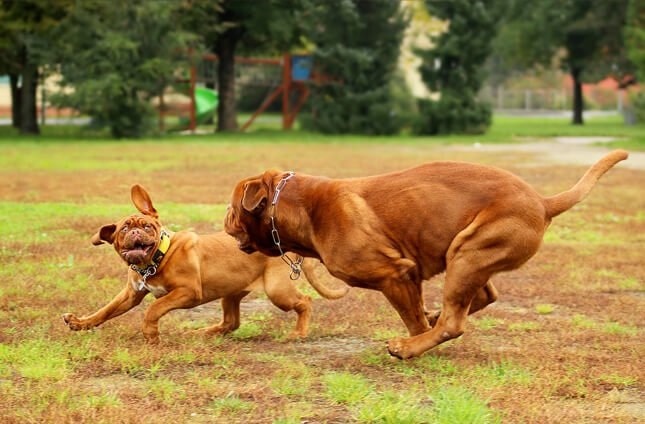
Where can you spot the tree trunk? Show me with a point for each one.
(578, 101)
(15, 100)
(28, 112)
(226, 109)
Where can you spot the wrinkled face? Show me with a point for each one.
(246, 218)
(135, 238)
(235, 228)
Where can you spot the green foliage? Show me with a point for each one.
(635, 36)
(635, 42)
(117, 56)
(588, 32)
(26, 31)
(357, 47)
(453, 67)
(453, 114)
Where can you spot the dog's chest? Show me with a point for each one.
(157, 291)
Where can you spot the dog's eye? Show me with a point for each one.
(124, 229)
(147, 227)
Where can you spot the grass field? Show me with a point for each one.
(564, 343)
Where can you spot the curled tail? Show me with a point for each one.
(309, 268)
(564, 201)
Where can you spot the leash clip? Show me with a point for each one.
(296, 266)
(144, 273)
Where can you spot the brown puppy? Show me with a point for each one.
(390, 232)
(183, 270)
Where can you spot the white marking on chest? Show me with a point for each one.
(157, 291)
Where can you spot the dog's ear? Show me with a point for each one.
(254, 199)
(142, 201)
(106, 234)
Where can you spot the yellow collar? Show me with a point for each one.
(164, 245)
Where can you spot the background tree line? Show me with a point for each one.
(119, 54)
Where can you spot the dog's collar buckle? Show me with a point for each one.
(296, 266)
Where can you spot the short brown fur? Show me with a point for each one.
(195, 270)
(390, 232)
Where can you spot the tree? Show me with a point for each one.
(635, 40)
(249, 27)
(357, 44)
(25, 31)
(116, 56)
(586, 35)
(454, 68)
(635, 36)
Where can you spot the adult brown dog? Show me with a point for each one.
(183, 270)
(390, 232)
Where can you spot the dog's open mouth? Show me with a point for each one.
(137, 253)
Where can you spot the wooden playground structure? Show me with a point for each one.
(292, 75)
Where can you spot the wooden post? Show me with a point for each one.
(162, 113)
(286, 90)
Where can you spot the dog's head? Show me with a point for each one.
(247, 218)
(136, 237)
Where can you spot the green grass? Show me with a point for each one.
(487, 323)
(231, 405)
(544, 308)
(610, 327)
(346, 388)
(35, 360)
(502, 367)
(292, 380)
(458, 405)
(617, 380)
(504, 129)
(43, 222)
(509, 127)
(524, 326)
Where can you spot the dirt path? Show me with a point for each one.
(562, 151)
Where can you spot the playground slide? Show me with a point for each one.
(205, 104)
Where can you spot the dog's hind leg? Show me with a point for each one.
(484, 297)
(285, 295)
(230, 315)
(459, 291)
(478, 252)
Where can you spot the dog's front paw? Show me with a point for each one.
(399, 349)
(73, 322)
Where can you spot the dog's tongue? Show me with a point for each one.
(135, 256)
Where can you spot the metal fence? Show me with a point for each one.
(550, 99)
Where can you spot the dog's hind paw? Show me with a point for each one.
(398, 348)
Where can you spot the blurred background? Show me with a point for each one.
(135, 68)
